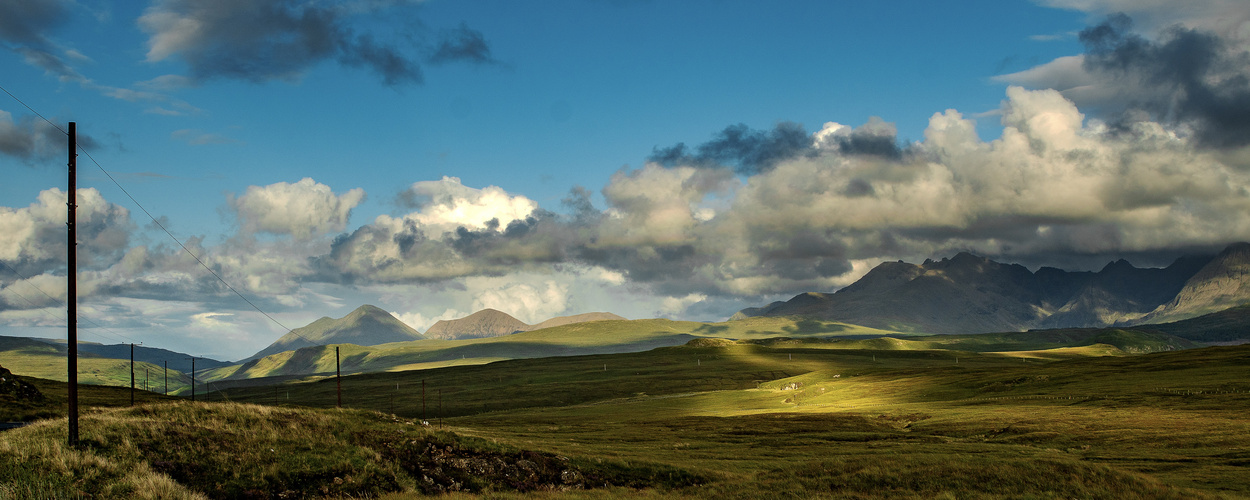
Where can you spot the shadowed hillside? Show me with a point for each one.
(367, 325)
(492, 323)
(972, 294)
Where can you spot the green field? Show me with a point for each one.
(754, 418)
(595, 337)
(37, 359)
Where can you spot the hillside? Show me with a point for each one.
(367, 325)
(160, 357)
(492, 323)
(576, 318)
(46, 360)
(1222, 283)
(972, 294)
(582, 338)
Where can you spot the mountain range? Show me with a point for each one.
(972, 294)
(370, 325)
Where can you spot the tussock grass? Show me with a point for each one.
(212, 450)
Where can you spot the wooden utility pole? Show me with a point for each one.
(338, 376)
(132, 374)
(71, 293)
(193, 379)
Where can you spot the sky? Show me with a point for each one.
(675, 159)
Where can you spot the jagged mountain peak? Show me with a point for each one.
(968, 293)
(1119, 265)
(1223, 282)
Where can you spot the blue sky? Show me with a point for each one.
(417, 122)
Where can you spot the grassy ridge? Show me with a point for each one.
(189, 450)
(32, 358)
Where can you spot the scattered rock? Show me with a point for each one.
(15, 388)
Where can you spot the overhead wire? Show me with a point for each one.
(162, 226)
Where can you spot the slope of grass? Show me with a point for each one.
(1228, 325)
(55, 402)
(190, 450)
(594, 337)
(92, 370)
(1167, 425)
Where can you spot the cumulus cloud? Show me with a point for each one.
(304, 209)
(677, 305)
(1187, 68)
(1055, 183)
(455, 231)
(531, 303)
(35, 236)
(421, 323)
(267, 40)
(446, 205)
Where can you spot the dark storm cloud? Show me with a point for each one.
(26, 21)
(266, 40)
(36, 141)
(871, 140)
(1190, 77)
(24, 25)
(747, 151)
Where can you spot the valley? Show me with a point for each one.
(597, 406)
(717, 418)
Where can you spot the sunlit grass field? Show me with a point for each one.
(755, 418)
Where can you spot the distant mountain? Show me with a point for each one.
(160, 357)
(972, 294)
(1222, 283)
(481, 324)
(492, 323)
(367, 325)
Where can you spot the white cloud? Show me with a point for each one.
(422, 323)
(304, 209)
(531, 303)
(446, 204)
(671, 306)
(210, 320)
(37, 233)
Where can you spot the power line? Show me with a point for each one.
(162, 226)
(32, 110)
